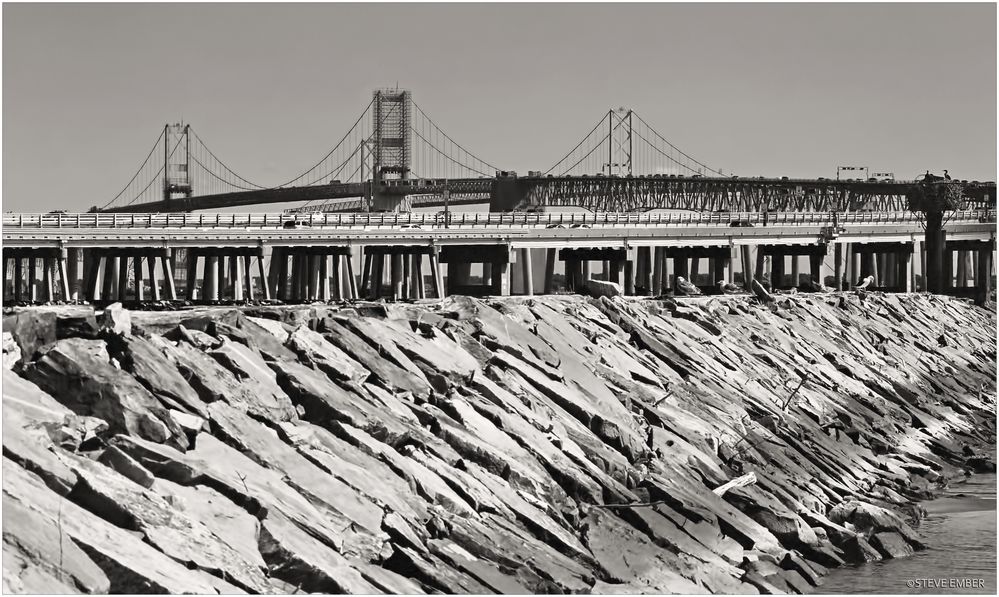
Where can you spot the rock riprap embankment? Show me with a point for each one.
(557, 444)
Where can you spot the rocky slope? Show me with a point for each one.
(557, 444)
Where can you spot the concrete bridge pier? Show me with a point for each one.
(716, 257)
(402, 265)
(577, 265)
(971, 281)
(889, 263)
(551, 259)
(778, 255)
(643, 271)
(495, 259)
(23, 266)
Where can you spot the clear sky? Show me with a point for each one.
(780, 89)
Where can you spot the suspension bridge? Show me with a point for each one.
(396, 157)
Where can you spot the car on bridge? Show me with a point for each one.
(292, 224)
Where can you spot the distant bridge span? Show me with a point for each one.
(597, 193)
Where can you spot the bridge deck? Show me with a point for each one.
(518, 230)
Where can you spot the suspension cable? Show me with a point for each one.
(434, 124)
(680, 151)
(595, 147)
(156, 145)
(222, 180)
(599, 122)
(221, 163)
(170, 155)
(664, 154)
(447, 157)
(335, 147)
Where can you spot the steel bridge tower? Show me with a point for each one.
(391, 145)
(619, 142)
(177, 161)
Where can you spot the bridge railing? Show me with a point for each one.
(465, 219)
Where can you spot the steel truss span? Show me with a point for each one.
(595, 194)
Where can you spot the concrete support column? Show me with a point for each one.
(487, 273)
(18, 279)
(324, 278)
(47, 276)
(396, 276)
(122, 274)
(760, 263)
(351, 279)
(377, 275)
(586, 271)
(658, 271)
(110, 277)
(733, 258)
(192, 275)
(237, 269)
(571, 277)
(248, 276)
(458, 275)
(796, 273)
(629, 276)
(32, 280)
(837, 266)
(435, 273)
(616, 273)
(315, 277)
(275, 282)
(962, 269)
(681, 265)
(92, 263)
(881, 269)
(336, 278)
(418, 282)
(366, 270)
(935, 241)
(63, 275)
(814, 267)
(501, 279)
(906, 272)
(210, 284)
(168, 260)
(264, 281)
(645, 268)
(407, 276)
(153, 282)
(974, 267)
(695, 269)
(777, 270)
(527, 271)
(74, 259)
(891, 270)
(550, 257)
(983, 276)
(747, 267)
(948, 269)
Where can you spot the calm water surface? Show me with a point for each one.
(960, 530)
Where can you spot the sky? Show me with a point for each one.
(758, 90)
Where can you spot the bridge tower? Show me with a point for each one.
(619, 142)
(391, 146)
(177, 161)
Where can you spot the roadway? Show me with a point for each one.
(517, 230)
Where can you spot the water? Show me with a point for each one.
(960, 532)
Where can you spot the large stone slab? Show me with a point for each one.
(78, 373)
(130, 564)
